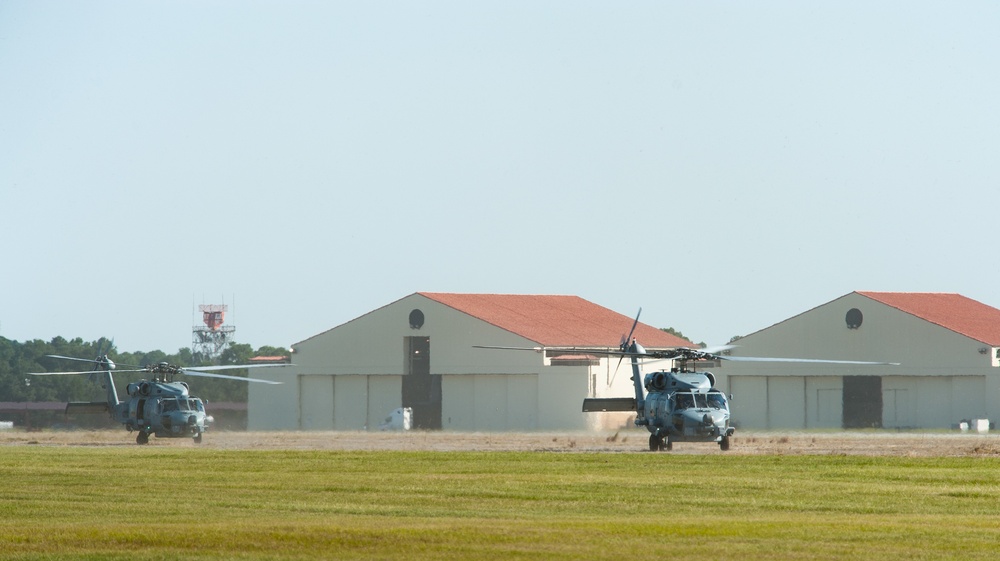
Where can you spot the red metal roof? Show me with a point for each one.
(556, 321)
(951, 311)
(269, 359)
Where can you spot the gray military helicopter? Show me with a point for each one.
(679, 404)
(159, 406)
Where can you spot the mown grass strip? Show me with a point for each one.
(168, 503)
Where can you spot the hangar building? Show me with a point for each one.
(947, 346)
(418, 352)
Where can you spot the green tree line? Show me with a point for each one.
(19, 359)
(677, 333)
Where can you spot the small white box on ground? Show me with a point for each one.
(400, 419)
(981, 425)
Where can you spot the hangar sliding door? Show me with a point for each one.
(770, 402)
(421, 390)
(350, 404)
(786, 407)
(862, 402)
(895, 408)
(490, 402)
(383, 398)
(316, 402)
(749, 404)
(522, 402)
(824, 402)
(829, 408)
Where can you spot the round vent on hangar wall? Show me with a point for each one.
(416, 319)
(854, 318)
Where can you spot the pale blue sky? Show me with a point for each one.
(723, 165)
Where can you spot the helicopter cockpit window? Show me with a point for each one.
(699, 401)
(684, 401)
(181, 404)
(716, 400)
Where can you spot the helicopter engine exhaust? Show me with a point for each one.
(141, 388)
(656, 382)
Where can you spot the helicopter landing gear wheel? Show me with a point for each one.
(724, 443)
(197, 438)
(655, 443)
(142, 437)
(668, 444)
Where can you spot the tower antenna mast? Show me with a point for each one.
(214, 336)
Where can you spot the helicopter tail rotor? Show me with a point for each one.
(102, 363)
(626, 343)
(100, 372)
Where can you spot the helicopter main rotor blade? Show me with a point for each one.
(536, 349)
(224, 376)
(686, 354)
(717, 349)
(235, 367)
(62, 373)
(806, 360)
(604, 352)
(83, 372)
(94, 361)
(90, 360)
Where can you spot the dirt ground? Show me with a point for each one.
(869, 443)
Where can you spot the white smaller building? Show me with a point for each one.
(420, 353)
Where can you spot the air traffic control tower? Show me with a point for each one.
(213, 337)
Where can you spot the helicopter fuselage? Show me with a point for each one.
(164, 409)
(679, 404)
(684, 407)
(159, 406)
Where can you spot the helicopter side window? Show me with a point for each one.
(169, 405)
(684, 401)
(198, 405)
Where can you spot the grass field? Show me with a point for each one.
(133, 502)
